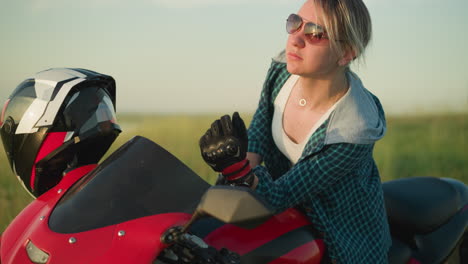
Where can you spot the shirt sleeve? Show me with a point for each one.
(259, 132)
(258, 129)
(312, 175)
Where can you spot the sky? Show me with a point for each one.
(204, 56)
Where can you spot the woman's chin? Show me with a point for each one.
(293, 68)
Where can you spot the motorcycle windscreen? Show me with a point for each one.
(139, 179)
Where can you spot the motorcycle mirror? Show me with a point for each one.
(239, 206)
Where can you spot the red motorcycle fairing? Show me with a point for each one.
(33, 217)
(285, 238)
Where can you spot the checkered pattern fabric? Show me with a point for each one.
(338, 185)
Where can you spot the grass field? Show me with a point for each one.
(413, 146)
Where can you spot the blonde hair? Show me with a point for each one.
(348, 24)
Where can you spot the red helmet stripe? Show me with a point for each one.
(2, 117)
(52, 141)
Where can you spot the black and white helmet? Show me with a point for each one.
(57, 120)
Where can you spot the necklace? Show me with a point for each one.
(302, 102)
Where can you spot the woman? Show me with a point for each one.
(315, 129)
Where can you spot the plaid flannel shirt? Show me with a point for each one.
(337, 184)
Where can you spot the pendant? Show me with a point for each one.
(302, 102)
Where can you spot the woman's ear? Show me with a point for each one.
(348, 55)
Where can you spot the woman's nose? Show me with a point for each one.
(297, 39)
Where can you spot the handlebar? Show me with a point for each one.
(186, 248)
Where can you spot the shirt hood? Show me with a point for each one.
(358, 118)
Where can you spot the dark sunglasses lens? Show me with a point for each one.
(293, 23)
(312, 38)
(313, 32)
(311, 28)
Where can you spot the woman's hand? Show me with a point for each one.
(225, 143)
(224, 148)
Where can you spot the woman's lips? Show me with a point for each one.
(293, 56)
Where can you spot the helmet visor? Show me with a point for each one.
(89, 111)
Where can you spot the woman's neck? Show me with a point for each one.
(321, 92)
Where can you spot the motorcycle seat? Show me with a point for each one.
(418, 205)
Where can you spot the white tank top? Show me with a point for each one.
(290, 149)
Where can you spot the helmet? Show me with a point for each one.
(57, 120)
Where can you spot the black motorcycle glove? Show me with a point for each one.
(224, 148)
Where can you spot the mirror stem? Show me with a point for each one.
(195, 217)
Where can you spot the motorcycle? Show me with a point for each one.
(143, 205)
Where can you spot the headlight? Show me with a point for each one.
(35, 254)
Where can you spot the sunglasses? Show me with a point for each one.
(313, 32)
